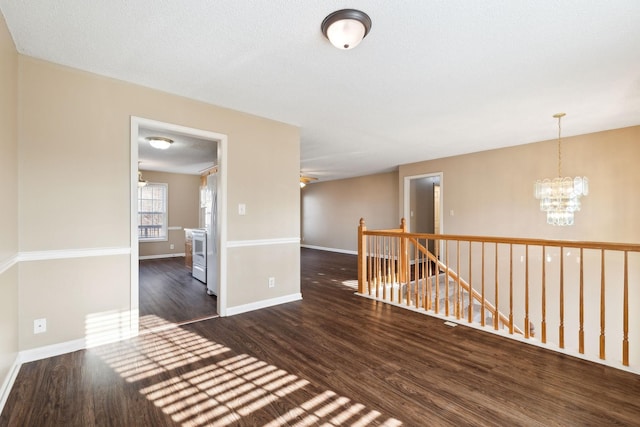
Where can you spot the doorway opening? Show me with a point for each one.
(196, 156)
(423, 204)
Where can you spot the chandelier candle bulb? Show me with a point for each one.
(560, 197)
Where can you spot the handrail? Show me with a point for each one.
(631, 247)
(546, 288)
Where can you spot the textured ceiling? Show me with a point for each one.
(432, 79)
(186, 155)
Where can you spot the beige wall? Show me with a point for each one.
(8, 201)
(331, 210)
(262, 173)
(97, 307)
(267, 259)
(491, 192)
(74, 149)
(183, 210)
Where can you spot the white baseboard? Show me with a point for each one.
(52, 350)
(161, 256)
(321, 248)
(43, 352)
(7, 384)
(231, 311)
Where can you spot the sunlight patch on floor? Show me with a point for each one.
(229, 388)
(107, 327)
(351, 283)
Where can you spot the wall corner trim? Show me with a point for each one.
(8, 382)
(244, 308)
(72, 253)
(7, 263)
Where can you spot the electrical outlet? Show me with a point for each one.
(172, 246)
(39, 326)
(272, 282)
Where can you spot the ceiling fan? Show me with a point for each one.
(304, 180)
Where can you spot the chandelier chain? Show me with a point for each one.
(559, 148)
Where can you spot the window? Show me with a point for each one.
(152, 212)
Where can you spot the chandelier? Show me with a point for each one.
(560, 197)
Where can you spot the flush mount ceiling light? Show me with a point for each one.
(346, 28)
(560, 197)
(159, 142)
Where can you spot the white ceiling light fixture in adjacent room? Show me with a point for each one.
(304, 180)
(560, 197)
(159, 142)
(346, 28)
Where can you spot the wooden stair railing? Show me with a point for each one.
(553, 283)
(399, 272)
(486, 305)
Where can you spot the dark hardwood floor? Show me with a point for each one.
(169, 294)
(331, 359)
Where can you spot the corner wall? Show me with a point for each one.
(9, 211)
(332, 209)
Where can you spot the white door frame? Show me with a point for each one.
(407, 200)
(407, 196)
(221, 139)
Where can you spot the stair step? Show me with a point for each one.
(447, 288)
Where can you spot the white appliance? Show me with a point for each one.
(211, 226)
(199, 254)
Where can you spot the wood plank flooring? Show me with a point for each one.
(331, 359)
(168, 293)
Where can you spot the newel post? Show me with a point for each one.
(403, 258)
(362, 259)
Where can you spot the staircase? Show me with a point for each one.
(444, 298)
(440, 296)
